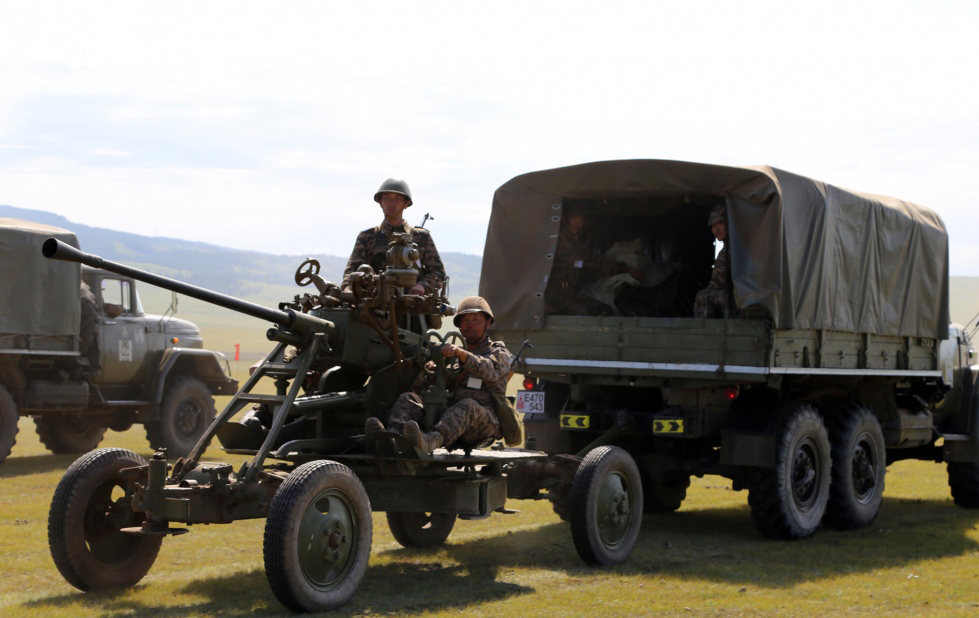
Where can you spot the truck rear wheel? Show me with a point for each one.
(91, 506)
(664, 495)
(421, 529)
(963, 479)
(68, 434)
(606, 506)
(185, 413)
(8, 423)
(318, 537)
(789, 501)
(857, 489)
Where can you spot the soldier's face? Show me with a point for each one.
(575, 223)
(720, 230)
(473, 326)
(393, 205)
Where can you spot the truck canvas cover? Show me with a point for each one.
(40, 296)
(803, 253)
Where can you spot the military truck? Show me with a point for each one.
(836, 357)
(79, 355)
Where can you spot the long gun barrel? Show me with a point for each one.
(288, 319)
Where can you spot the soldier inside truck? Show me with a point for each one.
(663, 240)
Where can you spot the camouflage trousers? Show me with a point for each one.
(467, 421)
(713, 303)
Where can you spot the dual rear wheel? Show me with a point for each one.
(832, 475)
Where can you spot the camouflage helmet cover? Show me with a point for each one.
(394, 185)
(717, 213)
(473, 304)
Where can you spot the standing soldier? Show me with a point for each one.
(716, 301)
(477, 410)
(372, 244)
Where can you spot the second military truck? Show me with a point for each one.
(79, 355)
(835, 358)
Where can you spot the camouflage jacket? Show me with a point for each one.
(487, 362)
(573, 257)
(372, 245)
(720, 277)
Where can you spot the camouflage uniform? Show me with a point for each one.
(716, 301)
(573, 258)
(470, 418)
(372, 245)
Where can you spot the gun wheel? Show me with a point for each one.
(453, 366)
(421, 529)
(318, 537)
(306, 271)
(91, 506)
(606, 506)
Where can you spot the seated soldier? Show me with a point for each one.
(717, 300)
(575, 262)
(477, 409)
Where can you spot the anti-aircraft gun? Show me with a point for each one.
(340, 356)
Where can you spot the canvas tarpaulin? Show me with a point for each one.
(39, 296)
(804, 253)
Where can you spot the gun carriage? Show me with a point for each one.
(339, 357)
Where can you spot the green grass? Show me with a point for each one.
(920, 556)
(708, 559)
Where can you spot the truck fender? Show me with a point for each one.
(205, 364)
(748, 434)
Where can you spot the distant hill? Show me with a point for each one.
(256, 276)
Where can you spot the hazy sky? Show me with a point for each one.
(270, 125)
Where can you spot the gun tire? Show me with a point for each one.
(8, 423)
(606, 506)
(318, 537)
(789, 501)
(69, 434)
(858, 469)
(90, 507)
(185, 414)
(421, 529)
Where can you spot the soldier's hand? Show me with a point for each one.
(417, 289)
(449, 350)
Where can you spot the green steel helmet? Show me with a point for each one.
(394, 185)
(717, 213)
(473, 304)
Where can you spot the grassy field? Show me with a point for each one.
(919, 557)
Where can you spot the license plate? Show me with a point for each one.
(530, 401)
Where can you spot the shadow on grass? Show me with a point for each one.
(723, 545)
(715, 545)
(389, 588)
(35, 464)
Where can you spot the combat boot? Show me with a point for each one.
(373, 425)
(427, 442)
